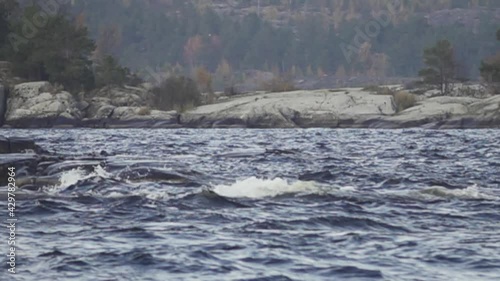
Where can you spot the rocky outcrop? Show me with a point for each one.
(114, 107)
(349, 108)
(450, 112)
(39, 104)
(131, 117)
(321, 108)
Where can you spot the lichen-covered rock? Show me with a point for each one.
(321, 108)
(124, 96)
(109, 116)
(346, 108)
(129, 107)
(449, 113)
(38, 104)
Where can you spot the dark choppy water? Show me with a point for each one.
(266, 205)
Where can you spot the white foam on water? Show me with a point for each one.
(72, 177)
(256, 188)
(348, 188)
(471, 192)
(99, 171)
(69, 178)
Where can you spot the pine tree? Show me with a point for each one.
(490, 70)
(7, 7)
(59, 52)
(441, 66)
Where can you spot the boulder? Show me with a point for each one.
(19, 144)
(39, 105)
(126, 107)
(19, 153)
(24, 164)
(123, 96)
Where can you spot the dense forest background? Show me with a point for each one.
(220, 42)
(298, 37)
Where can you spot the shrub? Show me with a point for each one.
(179, 93)
(231, 91)
(279, 84)
(144, 111)
(490, 72)
(404, 100)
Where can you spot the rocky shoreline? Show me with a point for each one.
(41, 105)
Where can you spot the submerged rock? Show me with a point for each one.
(24, 164)
(34, 166)
(18, 145)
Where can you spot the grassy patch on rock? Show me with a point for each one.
(144, 111)
(404, 100)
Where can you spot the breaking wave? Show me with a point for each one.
(256, 188)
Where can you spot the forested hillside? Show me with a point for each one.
(298, 38)
(291, 36)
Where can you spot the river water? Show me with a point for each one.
(265, 205)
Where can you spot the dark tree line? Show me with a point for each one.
(188, 39)
(54, 48)
(490, 70)
(57, 48)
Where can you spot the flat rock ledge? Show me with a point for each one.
(347, 108)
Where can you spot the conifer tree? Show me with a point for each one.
(441, 66)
